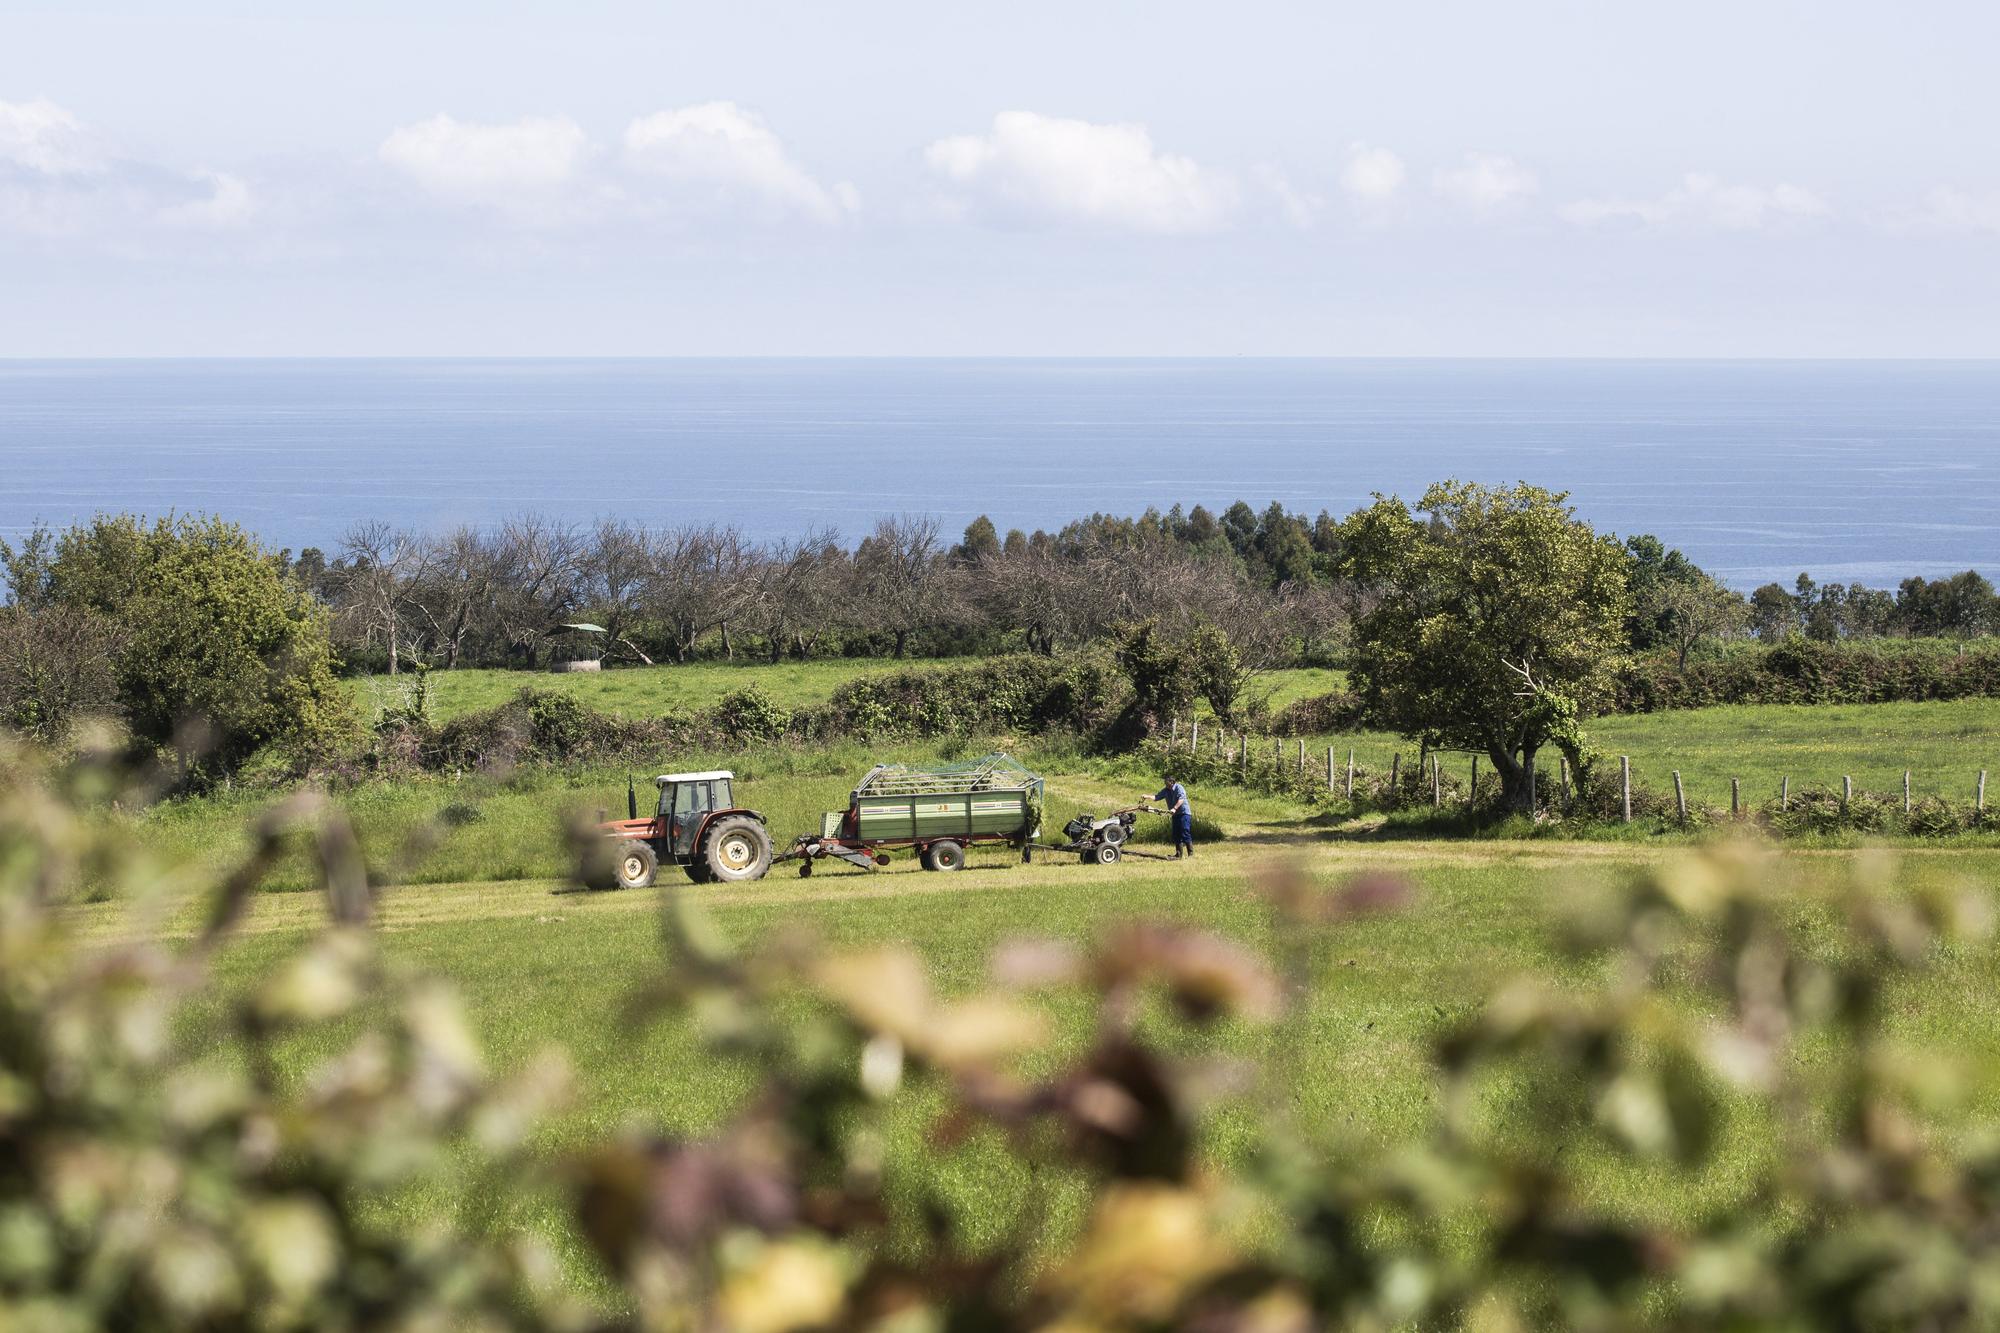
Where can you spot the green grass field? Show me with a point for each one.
(627, 691)
(644, 691)
(1943, 744)
(540, 963)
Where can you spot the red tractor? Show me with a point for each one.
(697, 827)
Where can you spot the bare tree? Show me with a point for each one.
(539, 581)
(701, 581)
(617, 568)
(451, 596)
(898, 569)
(382, 563)
(796, 589)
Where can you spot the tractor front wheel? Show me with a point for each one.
(637, 864)
(1105, 854)
(738, 848)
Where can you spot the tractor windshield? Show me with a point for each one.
(692, 798)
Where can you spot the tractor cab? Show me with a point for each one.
(686, 802)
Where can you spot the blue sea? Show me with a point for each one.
(1856, 471)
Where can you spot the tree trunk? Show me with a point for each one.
(902, 637)
(1517, 778)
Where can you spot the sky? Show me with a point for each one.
(881, 177)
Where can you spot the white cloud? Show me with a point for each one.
(1032, 167)
(519, 164)
(1372, 175)
(1948, 208)
(728, 151)
(44, 138)
(1485, 182)
(230, 203)
(1300, 207)
(1702, 202)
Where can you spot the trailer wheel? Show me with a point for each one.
(1105, 854)
(737, 848)
(946, 855)
(637, 865)
(805, 868)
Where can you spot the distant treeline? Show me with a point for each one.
(500, 597)
(187, 618)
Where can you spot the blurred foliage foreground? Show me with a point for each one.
(158, 1172)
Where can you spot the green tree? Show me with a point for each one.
(1497, 621)
(1217, 669)
(1164, 682)
(982, 542)
(222, 651)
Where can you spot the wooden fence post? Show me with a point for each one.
(1534, 786)
(1437, 783)
(1625, 781)
(1329, 768)
(1979, 796)
(1302, 754)
(1194, 736)
(1562, 779)
(1680, 796)
(1472, 793)
(1846, 790)
(1277, 755)
(1735, 798)
(1173, 731)
(1244, 754)
(1350, 773)
(1906, 791)
(1395, 770)
(1785, 792)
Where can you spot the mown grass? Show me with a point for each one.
(539, 965)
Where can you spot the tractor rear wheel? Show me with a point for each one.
(637, 865)
(737, 848)
(946, 855)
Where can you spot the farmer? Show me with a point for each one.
(1176, 798)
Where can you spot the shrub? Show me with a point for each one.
(751, 715)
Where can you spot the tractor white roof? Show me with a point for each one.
(709, 776)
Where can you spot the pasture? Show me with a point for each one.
(540, 963)
(1942, 743)
(627, 691)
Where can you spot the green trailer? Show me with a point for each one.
(938, 812)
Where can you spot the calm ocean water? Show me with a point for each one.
(1854, 470)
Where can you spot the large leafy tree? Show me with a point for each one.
(222, 650)
(1497, 620)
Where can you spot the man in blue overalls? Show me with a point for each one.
(1182, 813)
